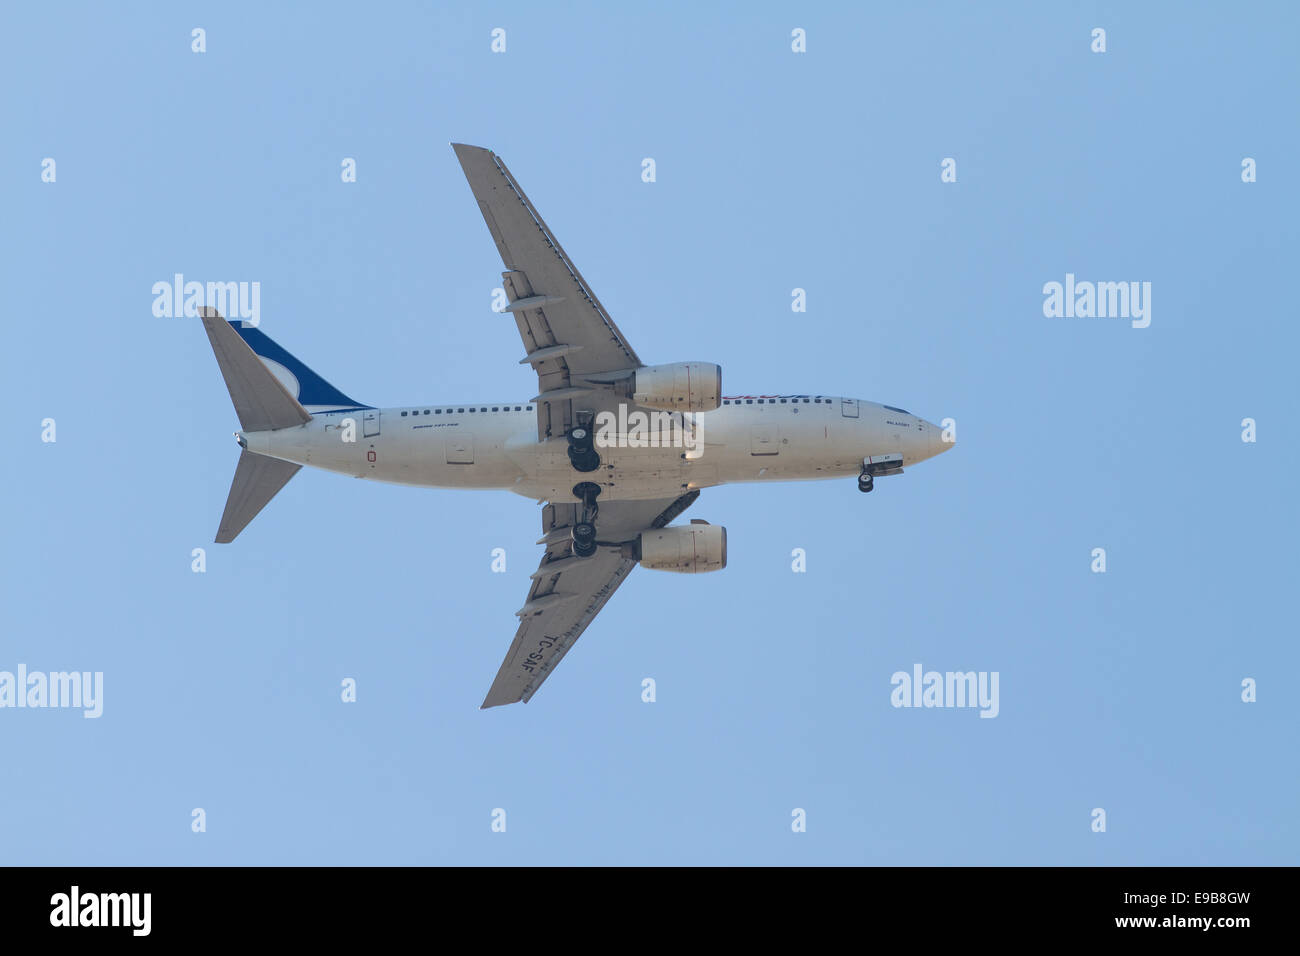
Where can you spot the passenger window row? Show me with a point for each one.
(774, 401)
(481, 408)
(529, 408)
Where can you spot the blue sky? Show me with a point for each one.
(775, 171)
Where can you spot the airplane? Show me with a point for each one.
(613, 448)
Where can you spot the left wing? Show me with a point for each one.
(568, 592)
(567, 334)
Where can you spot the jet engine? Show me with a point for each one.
(687, 549)
(680, 387)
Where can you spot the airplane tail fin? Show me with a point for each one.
(257, 480)
(270, 389)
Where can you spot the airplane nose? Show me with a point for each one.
(937, 445)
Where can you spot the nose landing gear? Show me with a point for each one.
(875, 465)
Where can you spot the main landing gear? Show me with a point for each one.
(582, 452)
(584, 531)
(865, 482)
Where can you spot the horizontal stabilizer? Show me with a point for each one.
(257, 480)
(261, 401)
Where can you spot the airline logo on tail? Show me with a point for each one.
(312, 392)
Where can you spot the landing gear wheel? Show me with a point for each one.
(865, 483)
(584, 539)
(583, 461)
(582, 455)
(583, 534)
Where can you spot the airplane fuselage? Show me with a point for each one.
(496, 445)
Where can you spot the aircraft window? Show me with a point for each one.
(437, 411)
(783, 401)
(496, 408)
(473, 409)
(530, 408)
(426, 411)
(462, 411)
(901, 411)
(805, 401)
(403, 414)
(749, 401)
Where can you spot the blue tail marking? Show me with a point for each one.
(311, 388)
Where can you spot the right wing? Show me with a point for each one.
(568, 592)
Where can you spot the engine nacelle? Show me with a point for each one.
(688, 549)
(680, 387)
